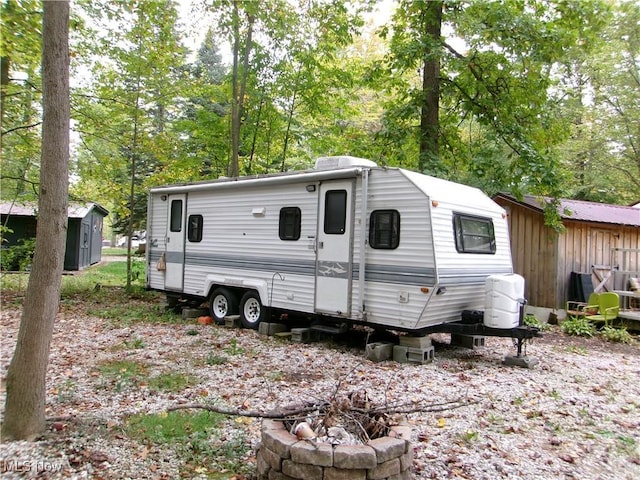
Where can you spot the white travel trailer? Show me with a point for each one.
(347, 241)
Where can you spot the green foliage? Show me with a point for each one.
(123, 374)
(135, 343)
(172, 382)
(18, 257)
(579, 327)
(213, 359)
(172, 426)
(233, 348)
(21, 98)
(616, 334)
(113, 251)
(532, 98)
(532, 321)
(196, 439)
(100, 290)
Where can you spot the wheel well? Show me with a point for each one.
(237, 290)
(240, 291)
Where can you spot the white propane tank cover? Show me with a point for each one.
(343, 161)
(503, 295)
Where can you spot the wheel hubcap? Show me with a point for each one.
(220, 306)
(252, 310)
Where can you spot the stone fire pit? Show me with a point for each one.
(282, 456)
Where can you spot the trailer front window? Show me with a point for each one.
(384, 229)
(474, 234)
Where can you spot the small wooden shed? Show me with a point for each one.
(600, 240)
(84, 230)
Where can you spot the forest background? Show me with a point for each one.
(520, 96)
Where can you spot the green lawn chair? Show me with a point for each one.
(608, 308)
(581, 309)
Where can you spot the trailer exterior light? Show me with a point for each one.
(424, 289)
(434, 203)
(311, 188)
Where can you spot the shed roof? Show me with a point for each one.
(580, 210)
(28, 209)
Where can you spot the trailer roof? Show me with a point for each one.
(347, 167)
(451, 192)
(268, 179)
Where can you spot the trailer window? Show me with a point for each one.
(384, 229)
(474, 234)
(194, 231)
(290, 219)
(335, 212)
(175, 224)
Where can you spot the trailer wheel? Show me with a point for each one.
(252, 312)
(222, 302)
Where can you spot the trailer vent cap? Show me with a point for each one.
(344, 161)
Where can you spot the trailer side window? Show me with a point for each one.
(289, 228)
(194, 231)
(384, 229)
(175, 224)
(474, 234)
(335, 212)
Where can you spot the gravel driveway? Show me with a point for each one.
(575, 415)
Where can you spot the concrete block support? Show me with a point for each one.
(404, 354)
(270, 329)
(378, 351)
(421, 355)
(194, 312)
(301, 335)
(467, 341)
(232, 321)
(415, 342)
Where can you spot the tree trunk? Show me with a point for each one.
(234, 164)
(4, 84)
(288, 131)
(429, 118)
(239, 80)
(24, 417)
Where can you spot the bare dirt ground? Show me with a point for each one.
(576, 415)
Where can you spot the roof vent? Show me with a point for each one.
(343, 161)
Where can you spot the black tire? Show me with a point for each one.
(252, 312)
(222, 302)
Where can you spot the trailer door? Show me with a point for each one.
(334, 253)
(174, 253)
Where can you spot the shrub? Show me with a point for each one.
(18, 257)
(613, 334)
(578, 327)
(532, 321)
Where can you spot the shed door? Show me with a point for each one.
(85, 244)
(334, 250)
(174, 274)
(600, 244)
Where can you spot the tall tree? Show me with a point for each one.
(431, 24)
(500, 81)
(24, 416)
(125, 120)
(604, 152)
(20, 92)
